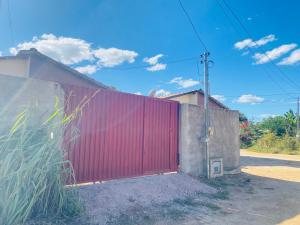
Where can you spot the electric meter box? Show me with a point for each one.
(216, 167)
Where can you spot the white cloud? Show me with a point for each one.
(273, 54)
(184, 83)
(138, 93)
(154, 64)
(153, 60)
(267, 115)
(161, 93)
(249, 99)
(73, 51)
(64, 49)
(157, 67)
(220, 98)
(110, 57)
(89, 69)
(293, 58)
(249, 43)
(245, 53)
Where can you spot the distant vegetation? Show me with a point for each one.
(273, 134)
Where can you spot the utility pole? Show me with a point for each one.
(205, 62)
(297, 131)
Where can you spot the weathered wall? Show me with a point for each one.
(212, 104)
(41, 68)
(190, 98)
(18, 94)
(13, 66)
(223, 143)
(195, 98)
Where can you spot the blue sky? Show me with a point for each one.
(106, 37)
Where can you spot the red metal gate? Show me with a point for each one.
(120, 135)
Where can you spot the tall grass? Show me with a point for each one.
(270, 143)
(33, 172)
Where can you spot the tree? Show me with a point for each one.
(249, 132)
(242, 117)
(291, 122)
(276, 125)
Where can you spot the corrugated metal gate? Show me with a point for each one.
(120, 135)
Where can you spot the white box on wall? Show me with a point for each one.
(216, 167)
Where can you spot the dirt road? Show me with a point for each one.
(282, 174)
(267, 192)
(272, 195)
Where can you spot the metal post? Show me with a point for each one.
(297, 131)
(206, 109)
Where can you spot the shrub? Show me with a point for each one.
(272, 144)
(276, 125)
(267, 141)
(249, 134)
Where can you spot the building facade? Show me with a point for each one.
(196, 97)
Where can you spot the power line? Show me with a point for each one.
(238, 32)
(146, 66)
(10, 23)
(249, 34)
(198, 72)
(193, 26)
(267, 95)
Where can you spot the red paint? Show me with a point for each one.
(121, 135)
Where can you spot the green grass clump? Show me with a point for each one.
(270, 143)
(33, 173)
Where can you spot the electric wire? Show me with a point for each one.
(249, 34)
(193, 26)
(252, 52)
(10, 23)
(146, 66)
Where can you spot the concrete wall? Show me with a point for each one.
(190, 98)
(223, 143)
(36, 96)
(195, 98)
(41, 68)
(212, 104)
(13, 66)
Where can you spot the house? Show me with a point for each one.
(196, 97)
(128, 135)
(33, 64)
(32, 79)
(150, 133)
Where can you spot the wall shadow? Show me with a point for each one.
(255, 161)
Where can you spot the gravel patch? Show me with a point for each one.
(114, 198)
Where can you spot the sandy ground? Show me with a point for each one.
(272, 195)
(143, 200)
(267, 192)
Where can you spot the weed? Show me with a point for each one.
(188, 201)
(211, 206)
(33, 174)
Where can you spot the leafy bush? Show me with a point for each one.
(276, 125)
(271, 143)
(33, 174)
(249, 134)
(273, 134)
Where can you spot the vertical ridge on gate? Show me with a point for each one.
(121, 135)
